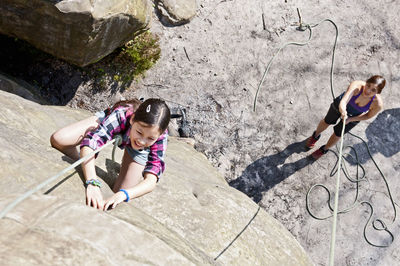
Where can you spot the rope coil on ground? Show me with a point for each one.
(358, 179)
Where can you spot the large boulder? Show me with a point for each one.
(191, 218)
(176, 12)
(81, 31)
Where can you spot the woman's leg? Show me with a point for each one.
(331, 142)
(130, 174)
(310, 142)
(321, 127)
(67, 138)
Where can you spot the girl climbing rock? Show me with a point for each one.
(143, 128)
(361, 101)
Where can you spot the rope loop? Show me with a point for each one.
(338, 167)
(382, 228)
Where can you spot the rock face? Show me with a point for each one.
(80, 32)
(188, 219)
(176, 12)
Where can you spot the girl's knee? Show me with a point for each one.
(54, 140)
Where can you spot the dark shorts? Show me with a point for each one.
(332, 117)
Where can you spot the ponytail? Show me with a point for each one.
(134, 103)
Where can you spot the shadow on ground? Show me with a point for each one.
(108, 176)
(266, 172)
(382, 136)
(55, 80)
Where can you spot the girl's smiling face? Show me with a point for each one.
(143, 135)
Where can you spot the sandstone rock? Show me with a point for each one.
(177, 12)
(80, 32)
(189, 218)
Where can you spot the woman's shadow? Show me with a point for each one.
(382, 136)
(266, 172)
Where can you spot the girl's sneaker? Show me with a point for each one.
(318, 153)
(310, 142)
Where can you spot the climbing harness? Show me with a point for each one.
(377, 224)
(117, 141)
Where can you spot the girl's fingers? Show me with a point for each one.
(111, 203)
(100, 204)
(106, 206)
(95, 205)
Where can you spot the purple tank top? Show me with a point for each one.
(361, 109)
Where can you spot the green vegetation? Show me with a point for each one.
(129, 62)
(143, 51)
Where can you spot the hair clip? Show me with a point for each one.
(148, 108)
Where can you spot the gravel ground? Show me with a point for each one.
(211, 69)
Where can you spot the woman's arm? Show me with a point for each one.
(145, 186)
(353, 88)
(376, 107)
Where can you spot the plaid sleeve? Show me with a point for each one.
(114, 123)
(155, 163)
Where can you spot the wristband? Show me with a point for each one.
(93, 182)
(126, 194)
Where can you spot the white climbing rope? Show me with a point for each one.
(335, 208)
(51, 179)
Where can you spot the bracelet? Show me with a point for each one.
(126, 194)
(93, 182)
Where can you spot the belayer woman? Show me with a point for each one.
(361, 101)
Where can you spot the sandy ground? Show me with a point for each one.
(211, 68)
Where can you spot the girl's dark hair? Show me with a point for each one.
(125, 103)
(378, 80)
(154, 112)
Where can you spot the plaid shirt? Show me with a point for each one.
(117, 122)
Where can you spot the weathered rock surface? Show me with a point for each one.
(176, 12)
(80, 32)
(212, 67)
(188, 220)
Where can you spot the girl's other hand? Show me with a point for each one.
(116, 199)
(94, 197)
